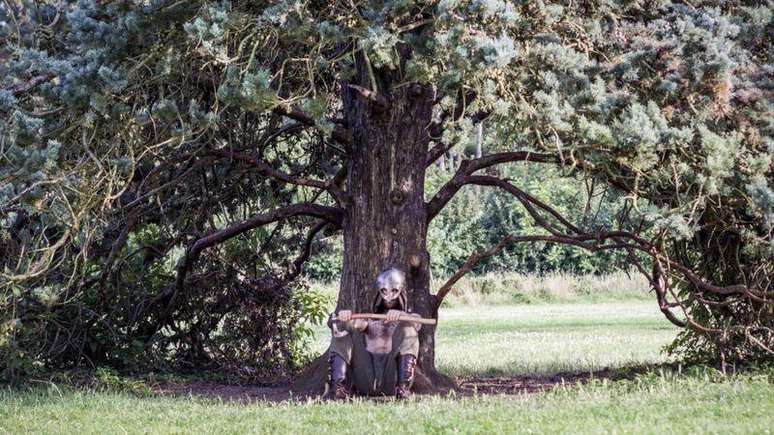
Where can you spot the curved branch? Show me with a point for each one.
(658, 283)
(593, 243)
(526, 199)
(582, 239)
(339, 134)
(269, 171)
(567, 233)
(330, 214)
(476, 257)
(468, 167)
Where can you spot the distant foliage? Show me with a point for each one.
(477, 218)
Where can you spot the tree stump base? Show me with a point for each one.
(314, 378)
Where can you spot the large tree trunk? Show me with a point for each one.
(386, 220)
(386, 223)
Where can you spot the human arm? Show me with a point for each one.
(345, 321)
(394, 316)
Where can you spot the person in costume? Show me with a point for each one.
(375, 357)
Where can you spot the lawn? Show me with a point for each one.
(550, 338)
(546, 338)
(472, 341)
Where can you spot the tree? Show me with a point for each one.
(214, 120)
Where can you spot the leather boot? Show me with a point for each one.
(338, 374)
(406, 366)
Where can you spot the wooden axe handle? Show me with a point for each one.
(413, 319)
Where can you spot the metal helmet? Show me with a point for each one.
(391, 290)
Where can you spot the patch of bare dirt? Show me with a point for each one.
(504, 385)
(511, 385)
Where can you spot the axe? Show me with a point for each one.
(413, 319)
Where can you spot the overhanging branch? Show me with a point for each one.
(339, 134)
(269, 171)
(468, 167)
(528, 201)
(664, 267)
(329, 214)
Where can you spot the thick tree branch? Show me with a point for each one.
(658, 284)
(476, 257)
(528, 201)
(640, 243)
(658, 281)
(580, 241)
(339, 134)
(269, 171)
(468, 167)
(330, 214)
(604, 240)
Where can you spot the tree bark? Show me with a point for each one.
(385, 219)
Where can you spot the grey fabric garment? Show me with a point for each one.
(374, 374)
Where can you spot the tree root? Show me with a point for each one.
(313, 380)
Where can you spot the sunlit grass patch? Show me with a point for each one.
(652, 403)
(547, 339)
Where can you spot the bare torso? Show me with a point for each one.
(378, 333)
(378, 336)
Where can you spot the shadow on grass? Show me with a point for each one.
(535, 384)
(520, 385)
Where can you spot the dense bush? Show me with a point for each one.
(248, 325)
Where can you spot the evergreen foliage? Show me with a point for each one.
(130, 131)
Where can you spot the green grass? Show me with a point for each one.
(547, 339)
(480, 340)
(741, 404)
